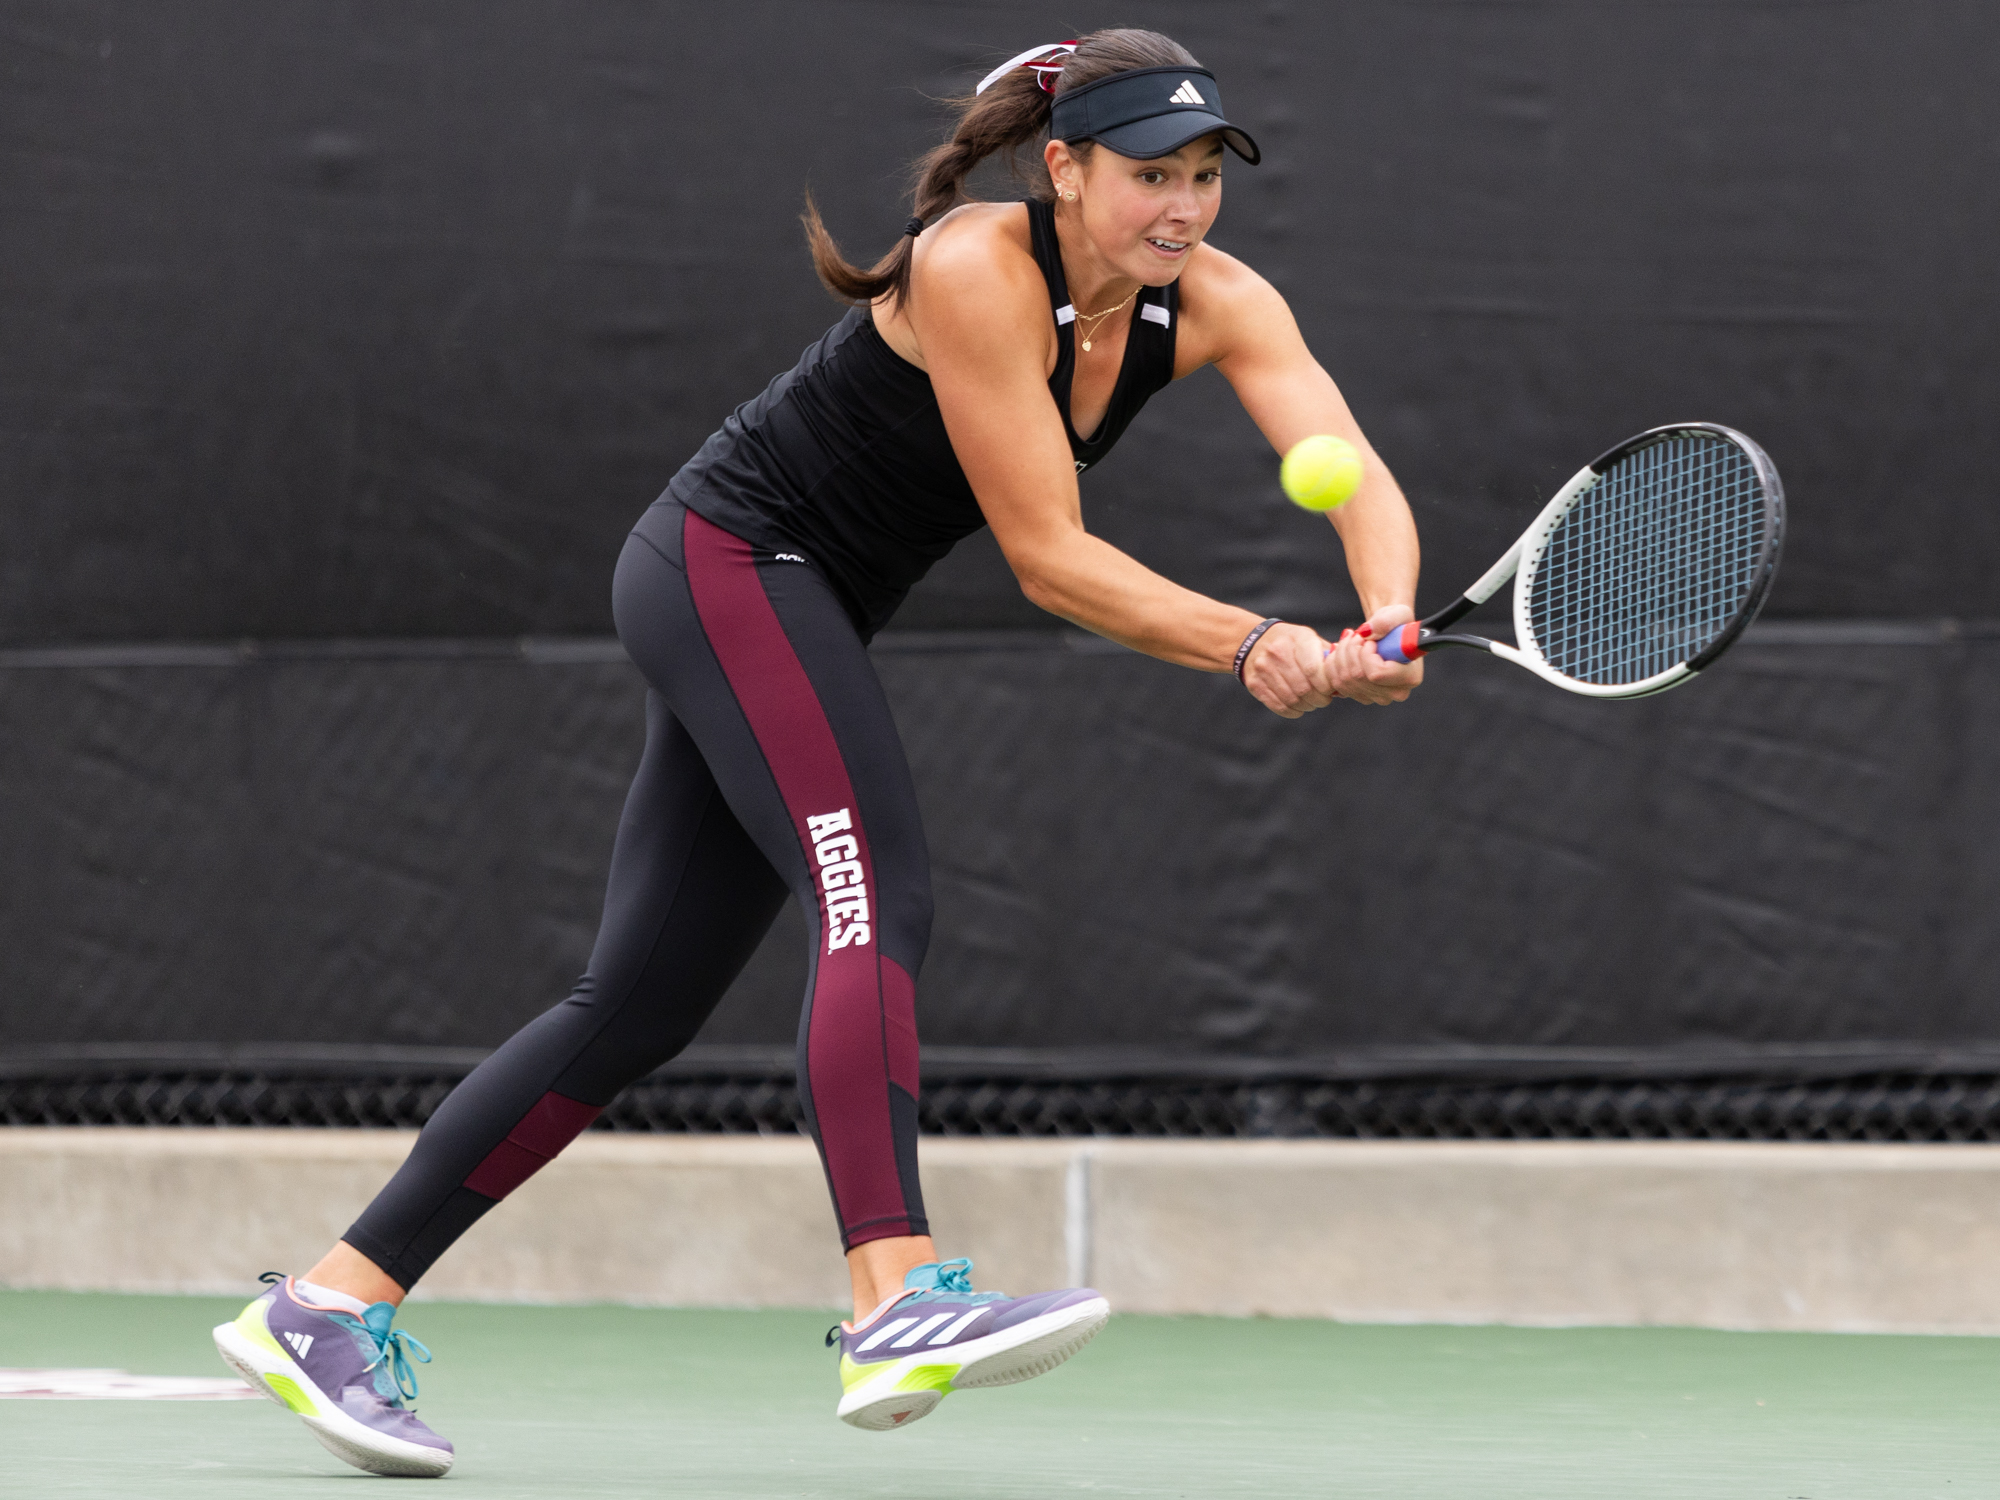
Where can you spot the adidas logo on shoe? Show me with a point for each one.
(300, 1343)
(1186, 94)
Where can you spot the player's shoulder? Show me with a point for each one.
(979, 251)
(1216, 282)
(1223, 301)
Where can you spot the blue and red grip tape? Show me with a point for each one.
(1401, 644)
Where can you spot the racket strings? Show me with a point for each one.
(1653, 563)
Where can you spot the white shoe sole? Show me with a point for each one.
(897, 1393)
(279, 1377)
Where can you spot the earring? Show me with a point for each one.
(1070, 195)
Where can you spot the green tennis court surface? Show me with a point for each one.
(615, 1401)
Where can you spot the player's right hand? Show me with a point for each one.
(1287, 671)
(1359, 672)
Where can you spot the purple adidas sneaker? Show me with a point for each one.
(938, 1335)
(347, 1376)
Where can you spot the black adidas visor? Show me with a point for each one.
(1148, 113)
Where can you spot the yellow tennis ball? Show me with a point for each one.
(1321, 473)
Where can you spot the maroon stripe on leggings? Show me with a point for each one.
(531, 1145)
(847, 1051)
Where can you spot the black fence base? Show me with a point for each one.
(1876, 1107)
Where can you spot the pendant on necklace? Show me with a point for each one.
(1086, 346)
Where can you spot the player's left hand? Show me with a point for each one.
(1357, 669)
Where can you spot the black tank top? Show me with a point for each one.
(844, 461)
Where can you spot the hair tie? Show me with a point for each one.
(915, 226)
(1037, 61)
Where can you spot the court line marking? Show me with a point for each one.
(117, 1385)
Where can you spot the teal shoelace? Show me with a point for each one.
(953, 1279)
(396, 1347)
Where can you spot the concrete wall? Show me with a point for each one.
(1903, 1238)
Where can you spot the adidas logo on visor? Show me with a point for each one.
(1186, 94)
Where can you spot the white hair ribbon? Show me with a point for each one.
(1032, 58)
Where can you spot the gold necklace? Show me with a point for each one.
(1096, 318)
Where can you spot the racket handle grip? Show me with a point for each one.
(1402, 645)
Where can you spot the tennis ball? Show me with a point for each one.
(1321, 473)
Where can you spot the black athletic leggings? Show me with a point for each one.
(771, 764)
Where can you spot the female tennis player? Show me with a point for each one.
(997, 353)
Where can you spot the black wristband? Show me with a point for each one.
(1255, 635)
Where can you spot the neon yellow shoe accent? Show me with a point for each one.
(917, 1378)
(929, 1378)
(291, 1395)
(251, 1322)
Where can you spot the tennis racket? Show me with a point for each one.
(1639, 573)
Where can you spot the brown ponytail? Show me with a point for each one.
(1011, 115)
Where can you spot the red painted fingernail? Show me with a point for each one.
(1367, 630)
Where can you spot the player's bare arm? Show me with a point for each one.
(1234, 319)
(981, 317)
